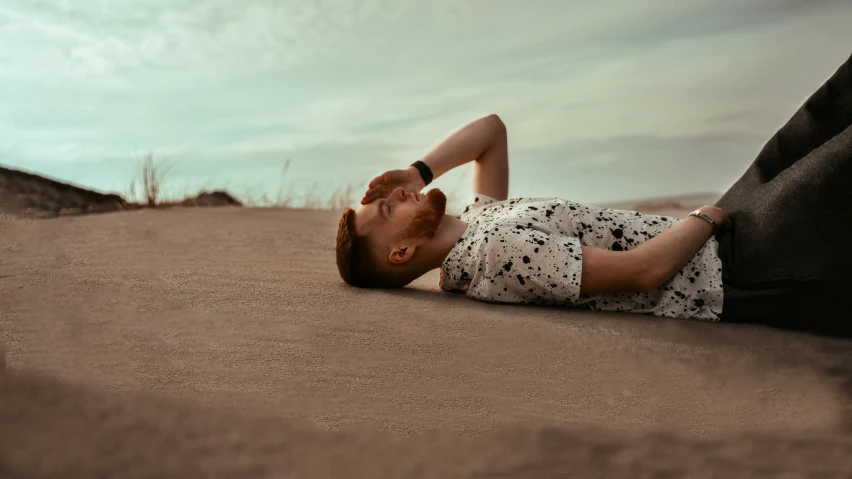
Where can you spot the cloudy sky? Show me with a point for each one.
(604, 100)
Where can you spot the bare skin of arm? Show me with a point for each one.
(483, 141)
(652, 263)
(668, 252)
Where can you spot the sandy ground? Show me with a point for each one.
(221, 343)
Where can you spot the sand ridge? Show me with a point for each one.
(29, 195)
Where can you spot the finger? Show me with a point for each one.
(376, 181)
(368, 196)
(371, 195)
(377, 192)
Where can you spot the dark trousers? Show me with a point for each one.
(787, 259)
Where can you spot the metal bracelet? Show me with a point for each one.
(706, 217)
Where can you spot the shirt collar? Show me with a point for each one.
(455, 273)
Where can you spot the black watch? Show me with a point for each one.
(425, 171)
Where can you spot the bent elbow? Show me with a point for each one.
(497, 123)
(647, 282)
(647, 277)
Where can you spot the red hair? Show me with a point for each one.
(357, 263)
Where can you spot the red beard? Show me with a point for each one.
(426, 223)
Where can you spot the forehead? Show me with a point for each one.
(368, 216)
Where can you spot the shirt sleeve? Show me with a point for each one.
(475, 201)
(518, 264)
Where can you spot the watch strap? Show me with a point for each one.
(425, 171)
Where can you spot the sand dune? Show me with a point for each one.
(220, 343)
(29, 195)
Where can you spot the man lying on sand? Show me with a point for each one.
(782, 253)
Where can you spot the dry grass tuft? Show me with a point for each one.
(288, 197)
(149, 181)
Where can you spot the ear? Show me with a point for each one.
(402, 253)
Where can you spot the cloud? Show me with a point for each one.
(637, 166)
(354, 87)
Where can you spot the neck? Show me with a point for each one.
(449, 231)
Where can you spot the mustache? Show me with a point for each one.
(425, 224)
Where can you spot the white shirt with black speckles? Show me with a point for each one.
(529, 250)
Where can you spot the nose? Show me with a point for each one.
(400, 192)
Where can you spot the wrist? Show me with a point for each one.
(710, 212)
(713, 212)
(416, 177)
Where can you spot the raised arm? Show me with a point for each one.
(483, 141)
